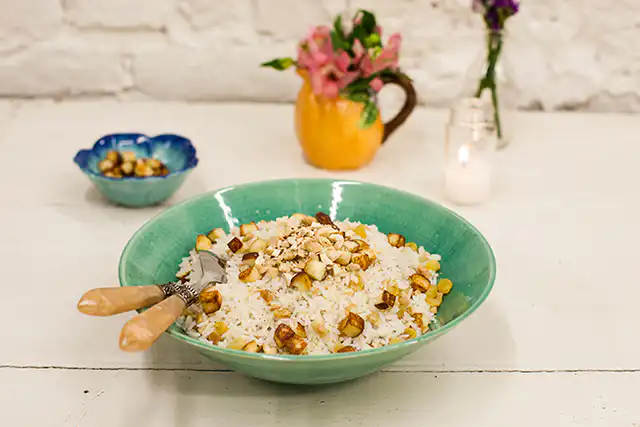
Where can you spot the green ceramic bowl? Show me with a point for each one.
(154, 252)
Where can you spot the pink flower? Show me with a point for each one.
(316, 47)
(388, 58)
(376, 84)
(366, 66)
(328, 71)
(358, 50)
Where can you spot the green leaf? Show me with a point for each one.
(337, 25)
(279, 63)
(368, 22)
(339, 42)
(337, 36)
(362, 97)
(361, 84)
(360, 34)
(369, 114)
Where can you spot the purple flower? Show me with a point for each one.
(496, 12)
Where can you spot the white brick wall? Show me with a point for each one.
(569, 54)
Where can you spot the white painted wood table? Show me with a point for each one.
(555, 344)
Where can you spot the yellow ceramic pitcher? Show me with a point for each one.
(329, 132)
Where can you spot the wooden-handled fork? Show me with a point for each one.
(168, 302)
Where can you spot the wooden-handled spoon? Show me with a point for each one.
(142, 331)
(110, 301)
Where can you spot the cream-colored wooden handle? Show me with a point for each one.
(110, 301)
(143, 330)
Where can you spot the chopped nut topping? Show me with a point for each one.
(344, 258)
(325, 232)
(272, 272)
(351, 246)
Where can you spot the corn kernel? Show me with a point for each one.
(221, 328)
(432, 292)
(432, 264)
(424, 257)
(410, 333)
(412, 246)
(434, 302)
(361, 231)
(395, 340)
(445, 286)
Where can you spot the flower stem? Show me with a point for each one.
(488, 81)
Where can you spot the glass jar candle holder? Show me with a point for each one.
(470, 145)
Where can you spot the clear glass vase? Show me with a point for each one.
(489, 78)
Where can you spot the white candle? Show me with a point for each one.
(467, 178)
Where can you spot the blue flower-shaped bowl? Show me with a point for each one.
(175, 151)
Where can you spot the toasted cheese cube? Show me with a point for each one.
(387, 300)
(352, 325)
(246, 229)
(235, 245)
(210, 299)
(419, 283)
(396, 240)
(249, 275)
(315, 269)
(203, 243)
(301, 281)
(282, 335)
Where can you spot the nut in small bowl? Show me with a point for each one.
(136, 170)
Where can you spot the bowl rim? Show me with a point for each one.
(192, 158)
(173, 332)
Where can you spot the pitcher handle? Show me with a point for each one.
(410, 102)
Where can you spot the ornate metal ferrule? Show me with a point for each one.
(186, 292)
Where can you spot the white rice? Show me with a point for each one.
(250, 318)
